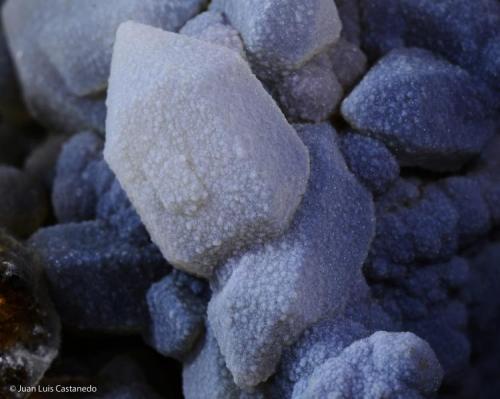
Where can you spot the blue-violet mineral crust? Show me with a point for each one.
(250, 199)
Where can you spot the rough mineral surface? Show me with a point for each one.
(100, 242)
(310, 93)
(177, 308)
(348, 63)
(415, 222)
(370, 160)
(44, 90)
(428, 300)
(441, 27)
(361, 265)
(349, 348)
(205, 375)
(86, 258)
(469, 42)
(29, 326)
(383, 26)
(266, 298)
(325, 340)
(74, 196)
(210, 185)
(412, 268)
(62, 51)
(83, 58)
(383, 365)
(431, 113)
(213, 27)
(306, 28)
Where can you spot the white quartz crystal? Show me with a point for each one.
(203, 152)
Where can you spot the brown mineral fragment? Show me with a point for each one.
(29, 325)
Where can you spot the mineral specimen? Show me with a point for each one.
(415, 223)
(74, 196)
(307, 28)
(64, 81)
(85, 259)
(99, 242)
(314, 195)
(211, 185)
(470, 42)
(205, 375)
(383, 24)
(29, 325)
(370, 160)
(177, 306)
(310, 93)
(441, 27)
(326, 340)
(266, 298)
(430, 113)
(348, 63)
(383, 365)
(213, 27)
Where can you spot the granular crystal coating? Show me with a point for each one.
(430, 113)
(62, 52)
(382, 365)
(210, 185)
(282, 34)
(266, 298)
